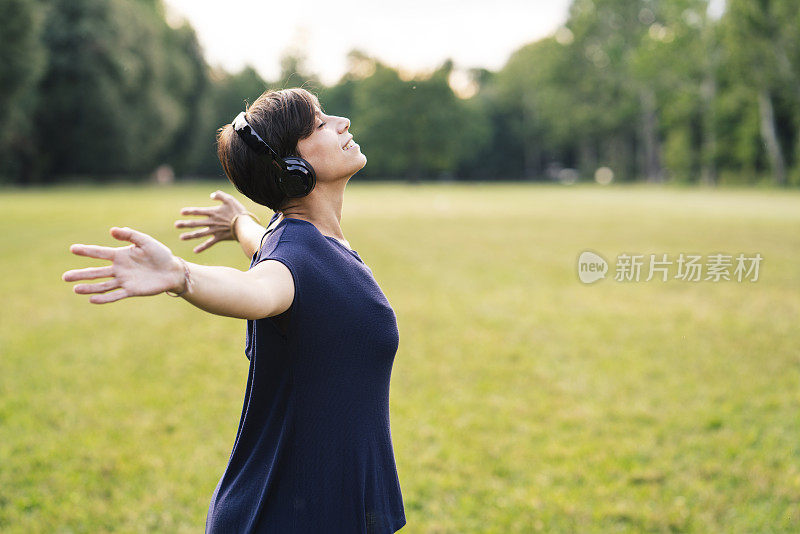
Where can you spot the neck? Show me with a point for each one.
(322, 208)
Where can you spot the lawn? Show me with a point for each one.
(522, 400)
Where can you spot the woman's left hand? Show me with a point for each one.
(217, 222)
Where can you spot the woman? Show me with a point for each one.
(313, 451)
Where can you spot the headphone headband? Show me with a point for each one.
(296, 177)
(253, 140)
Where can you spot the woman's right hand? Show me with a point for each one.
(146, 267)
(217, 223)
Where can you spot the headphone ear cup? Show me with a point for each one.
(298, 179)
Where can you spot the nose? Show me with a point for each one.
(345, 125)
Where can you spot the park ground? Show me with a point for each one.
(522, 400)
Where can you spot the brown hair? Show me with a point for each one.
(281, 118)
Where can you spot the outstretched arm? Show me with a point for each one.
(148, 267)
(218, 224)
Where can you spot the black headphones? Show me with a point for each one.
(296, 176)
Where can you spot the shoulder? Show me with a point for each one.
(292, 240)
(276, 278)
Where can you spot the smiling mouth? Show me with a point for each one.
(350, 144)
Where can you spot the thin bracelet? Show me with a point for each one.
(187, 280)
(236, 217)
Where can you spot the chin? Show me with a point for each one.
(358, 166)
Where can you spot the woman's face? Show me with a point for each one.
(324, 149)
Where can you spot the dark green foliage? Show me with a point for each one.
(652, 89)
(120, 88)
(229, 94)
(22, 57)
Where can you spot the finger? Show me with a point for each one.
(220, 195)
(201, 247)
(197, 233)
(102, 287)
(113, 296)
(93, 251)
(130, 235)
(193, 223)
(88, 273)
(197, 211)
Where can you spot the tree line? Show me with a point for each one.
(650, 90)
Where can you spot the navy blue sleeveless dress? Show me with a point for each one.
(313, 452)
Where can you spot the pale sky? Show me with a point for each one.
(410, 35)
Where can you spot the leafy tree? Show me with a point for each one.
(381, 105)
(229, 94)
(678, 60)
(491, 148)
(654, 89)
(187, 81)
(413, 128)
(22, 57)
(115, 93)
(338, 99)
(762, 38)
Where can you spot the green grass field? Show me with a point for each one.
(521, 400)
